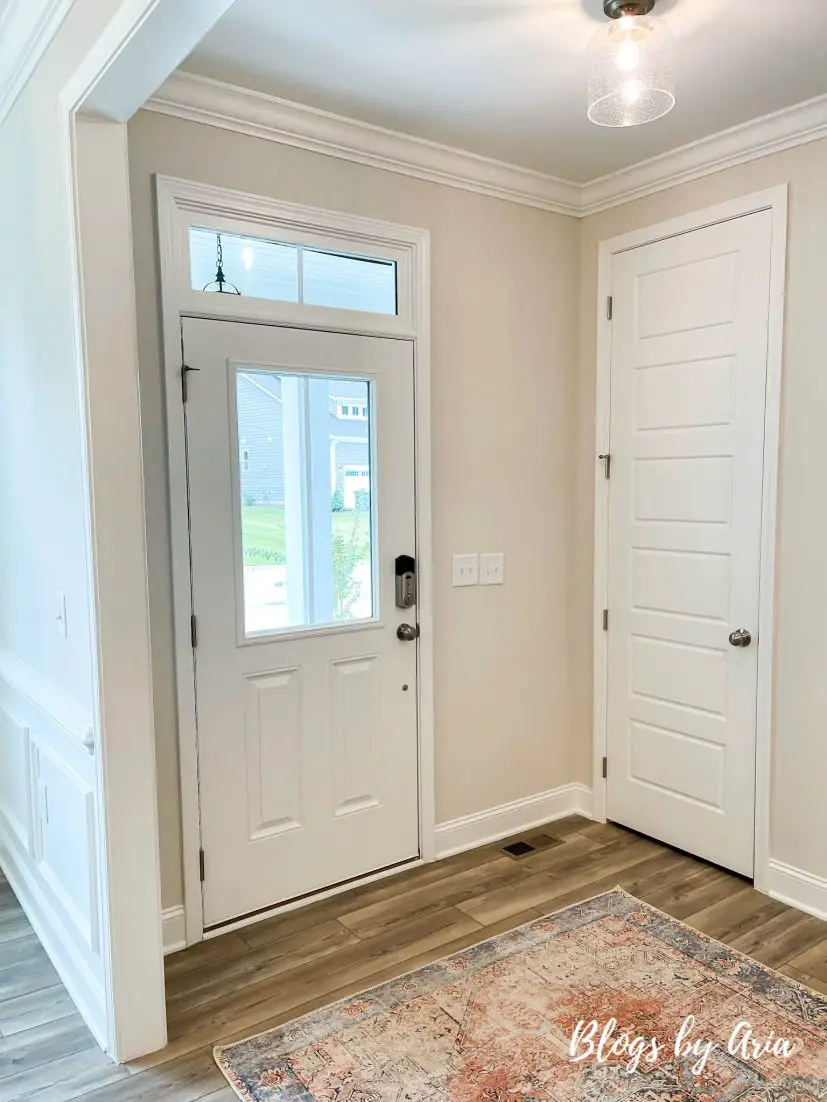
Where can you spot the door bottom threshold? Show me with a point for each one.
(748, 878)
(297, 901)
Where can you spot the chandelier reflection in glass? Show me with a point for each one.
(631, 77)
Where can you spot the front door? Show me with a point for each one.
(688, 380)
(306, 696)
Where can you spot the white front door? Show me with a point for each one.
(688, 374)
(306, 697)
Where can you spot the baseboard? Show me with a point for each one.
(487, 826)
(175, 930)
(798, 888)
(84, 988)
(452, 837)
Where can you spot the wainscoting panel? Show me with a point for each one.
(49, 832)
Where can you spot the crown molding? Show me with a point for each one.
(26, 29)
(200, 99)
(794, 126)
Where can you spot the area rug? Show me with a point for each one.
(606, 1000)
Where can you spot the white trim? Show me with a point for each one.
(774, 200)
(471, 831)
(175, 929)
(135, 45)
(769, 533)
(101, 248)
(63, 712)
(797, 888)
(199, 99)
(452, 837)
(761, 137)
(26, 29)
(181, 203)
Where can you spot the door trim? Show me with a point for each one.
(182, 203)
(775, 200)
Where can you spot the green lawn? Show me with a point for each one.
(264, 540)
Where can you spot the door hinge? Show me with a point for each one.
(605, 619)
(193, 631)
(605, 774)
(201, 865)
(606, 460)
(610, 307)
(185, 373)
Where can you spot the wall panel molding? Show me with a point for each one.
(51, 702)
(48, 840)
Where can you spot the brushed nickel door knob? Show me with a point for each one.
(740, 638)
(407, 633)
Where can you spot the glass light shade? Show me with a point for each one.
(631, 78)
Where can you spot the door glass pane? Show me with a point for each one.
(305, 484)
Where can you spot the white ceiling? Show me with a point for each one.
(505, 78)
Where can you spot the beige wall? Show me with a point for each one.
(799, 807)
(514, 453)
(504, 378)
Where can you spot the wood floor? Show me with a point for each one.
(230, 987)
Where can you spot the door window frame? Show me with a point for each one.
(182, 204)
(774, 200)
(310, 568)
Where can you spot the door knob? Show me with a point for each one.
(407, 633)
(740, 638)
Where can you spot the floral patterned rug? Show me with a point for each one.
(607, 1000)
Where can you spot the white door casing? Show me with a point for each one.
(688, 385)
(182, 205)
(308, 752)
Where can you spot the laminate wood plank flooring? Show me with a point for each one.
(256, 978)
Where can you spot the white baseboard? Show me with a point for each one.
(487, 826)
(796, 887)
(451, 837)
(175, 930)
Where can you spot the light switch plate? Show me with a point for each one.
(492, 569)
(466, 570)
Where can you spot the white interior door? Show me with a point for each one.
(688, 374)
(306, 697)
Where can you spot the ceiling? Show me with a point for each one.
(505, 78)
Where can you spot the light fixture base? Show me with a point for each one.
(615, 9)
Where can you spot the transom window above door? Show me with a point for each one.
(284, 271)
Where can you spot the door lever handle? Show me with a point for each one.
(740, 638)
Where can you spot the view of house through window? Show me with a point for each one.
(261, 268)
(305, 499)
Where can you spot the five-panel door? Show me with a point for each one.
(688, 379)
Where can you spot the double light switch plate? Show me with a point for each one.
(488, 569)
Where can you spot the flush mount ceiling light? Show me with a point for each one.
(630, 66)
